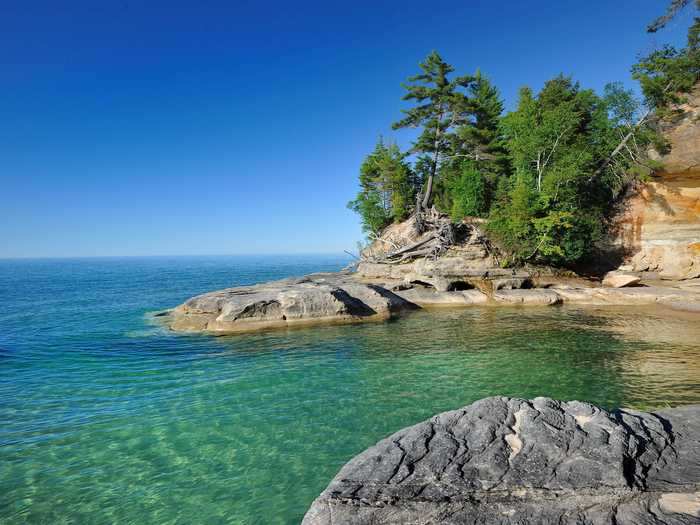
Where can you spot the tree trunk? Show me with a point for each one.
(433, 168)
(619, 147)
(429, 186)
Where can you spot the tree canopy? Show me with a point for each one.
(441, 105)
(545, 176)
(387, 188)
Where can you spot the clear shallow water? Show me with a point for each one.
(105, 418)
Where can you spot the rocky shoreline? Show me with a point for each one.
(505, 460)
(370, 295)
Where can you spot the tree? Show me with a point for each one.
(479, 146)
(545, 175)
(674, 7)
(540, 135)
(468, 194)
(668, 73)
(552, 212)
(368, 204)
(440, 107)
(387, 188)
(478, 137)
(664, 76)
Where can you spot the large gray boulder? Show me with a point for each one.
(503, 460)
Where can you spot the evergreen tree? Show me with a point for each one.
(668, 73)
(546, 174)
(478, 152)
(441, 106)
(479, 138)
(674, 7)
(469, 194)
(387, 188)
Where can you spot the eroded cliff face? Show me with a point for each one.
(659, 228)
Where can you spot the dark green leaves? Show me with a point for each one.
(387, 188)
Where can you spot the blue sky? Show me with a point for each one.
(154, 128)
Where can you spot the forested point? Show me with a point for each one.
(545, 177)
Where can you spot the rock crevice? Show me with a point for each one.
(504, 460)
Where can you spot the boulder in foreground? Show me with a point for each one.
(504, 460)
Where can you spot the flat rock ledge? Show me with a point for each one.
(508, 461)
(344, 297)
(322, 298)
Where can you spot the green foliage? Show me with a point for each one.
(441, 105)
(479, 138)
(468, 192)
(564, 237)
(387, 188)
(369, 206)
(620, 103)
(666, 74)
(553, 209)
(545, 175)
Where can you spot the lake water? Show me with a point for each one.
(107, 418)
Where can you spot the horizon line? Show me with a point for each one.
(134, 256)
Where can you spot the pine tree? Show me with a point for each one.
(386, 188)
(478, 149)
(668, 73)
(440, 108)
(674, 7)
(479, 138)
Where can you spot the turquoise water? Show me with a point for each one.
(106, 418)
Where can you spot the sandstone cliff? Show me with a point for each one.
(659, 227)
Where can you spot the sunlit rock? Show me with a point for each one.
(504, 460)
(620, 279)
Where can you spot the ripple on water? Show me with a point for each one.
(105, 420)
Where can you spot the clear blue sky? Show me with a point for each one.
(145, 128)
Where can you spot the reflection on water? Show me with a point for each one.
(105, 419)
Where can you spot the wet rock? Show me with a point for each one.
(530, 297)
(683, 306)
(426, 297)
(344, 297)
(504, 460)
(627, 296)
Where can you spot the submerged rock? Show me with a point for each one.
(642, 295)
(503, 460)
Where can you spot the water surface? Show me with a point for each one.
(106, 418)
